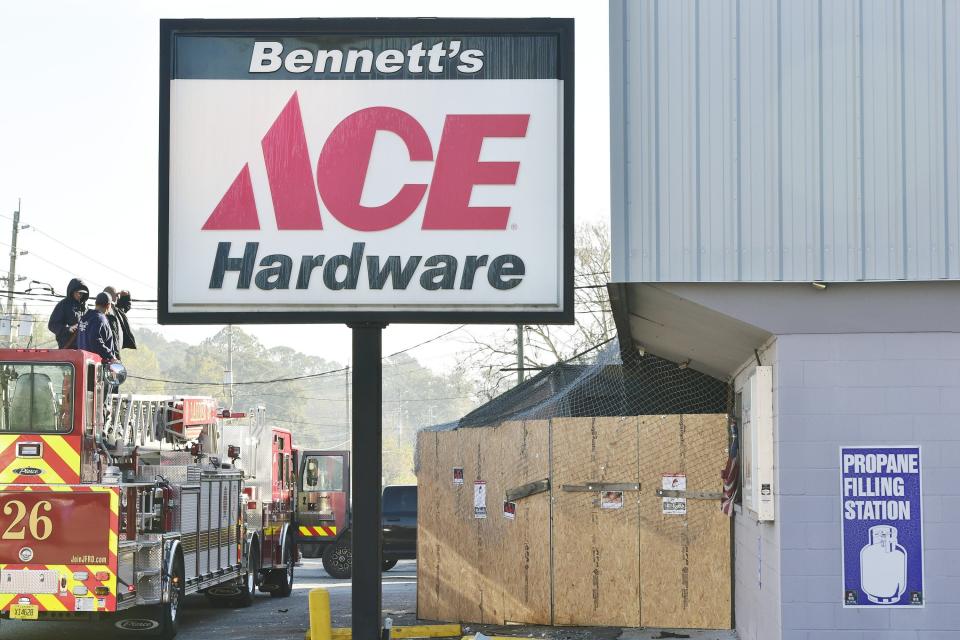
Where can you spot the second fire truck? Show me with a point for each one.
(117, 506)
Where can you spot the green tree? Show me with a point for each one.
(315, 405)
(144, 361)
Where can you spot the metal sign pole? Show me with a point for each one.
(367, 449)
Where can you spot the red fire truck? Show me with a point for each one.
(323, 511)
(117, 506)
(323, 514)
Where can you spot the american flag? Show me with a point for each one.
(731, 472)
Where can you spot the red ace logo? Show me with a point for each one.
(341, 170)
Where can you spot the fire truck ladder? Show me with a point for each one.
(136, 420)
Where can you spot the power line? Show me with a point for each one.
(300, 422)
(36, 255)
(72, 272)
(41, 295)
(338, 399)
(296, 378)
(93, 260)
(420, 344)
(220, 383)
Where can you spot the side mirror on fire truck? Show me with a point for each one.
(115, 373)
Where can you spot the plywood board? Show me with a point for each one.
(490, 530)
(685, 574)
(596, 554)
(442, 527)
(614, 567)
(520, 558)
(465, 534)
(429, 527)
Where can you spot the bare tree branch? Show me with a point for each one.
(547, 344)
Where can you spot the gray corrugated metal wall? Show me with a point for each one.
(800, 140)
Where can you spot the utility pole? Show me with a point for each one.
(346, 403)
(228, 374)
(12, 273)
(519, 353)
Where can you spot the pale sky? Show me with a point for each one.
(78, 143)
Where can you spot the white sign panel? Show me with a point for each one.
(480, 499)
(673, 505)
(423, 174)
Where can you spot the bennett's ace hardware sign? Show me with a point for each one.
(882, 527)
(346, 170)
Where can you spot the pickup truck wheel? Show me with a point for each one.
(389, 564)
(338, 559)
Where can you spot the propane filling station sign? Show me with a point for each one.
(314, 170)
(882, 527)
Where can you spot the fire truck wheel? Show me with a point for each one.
(249, 586)
(389, 564)
(338, 559)
(170, 610)
(284, 577)
(239, 595)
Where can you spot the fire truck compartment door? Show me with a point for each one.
(57, 527)
(59, 549)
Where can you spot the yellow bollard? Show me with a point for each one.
(320, 614)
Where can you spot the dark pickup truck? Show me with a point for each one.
(399, 534)
(399, 524)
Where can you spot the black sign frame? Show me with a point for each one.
(562, 28)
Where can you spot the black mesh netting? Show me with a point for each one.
(643, 385)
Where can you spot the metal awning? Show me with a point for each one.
(715, 327)
(654, 320)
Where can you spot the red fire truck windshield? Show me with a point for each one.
(36, 397)
(323, 473)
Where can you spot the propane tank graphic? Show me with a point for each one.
(883, 566)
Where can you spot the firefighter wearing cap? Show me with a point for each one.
(95, 334)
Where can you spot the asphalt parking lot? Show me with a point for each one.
(274, 618)
(288, 618)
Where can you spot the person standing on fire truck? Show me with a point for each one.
(114, 321)
(65, 318)
(95, 334)
(121, 308)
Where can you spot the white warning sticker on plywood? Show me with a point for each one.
(673, 505)
(611, 499)
(480, 499)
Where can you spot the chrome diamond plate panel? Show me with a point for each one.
(29, 581)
